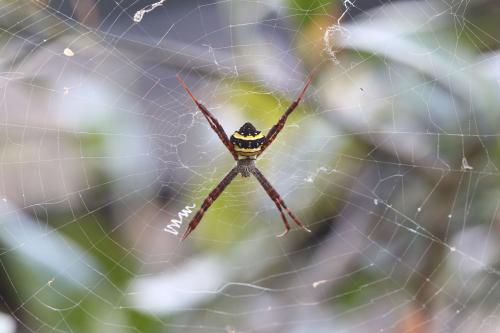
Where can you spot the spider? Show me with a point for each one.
(245, 145)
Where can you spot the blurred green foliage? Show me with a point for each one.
(305, 11)
(353, 292)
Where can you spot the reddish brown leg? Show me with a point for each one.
(273, 194)
(283, 217)
(212, 121)
(296, 220)
(274, 131)
(209, 200)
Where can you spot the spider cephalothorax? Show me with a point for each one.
(245, 145)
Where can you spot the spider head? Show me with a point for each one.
(247, 140)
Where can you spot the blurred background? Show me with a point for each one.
(391, 160)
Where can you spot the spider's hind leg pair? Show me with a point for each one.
(245, 145)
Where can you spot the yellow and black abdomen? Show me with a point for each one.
(247, 140)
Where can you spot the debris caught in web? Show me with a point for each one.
(140, 13)
(336, 33)
(68, 52)
(465, 164)
(317, 283)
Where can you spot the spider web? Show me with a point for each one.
(391, 160)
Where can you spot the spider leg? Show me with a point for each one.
(274, 131)
(283, 217)
(212, 121)
(209, 200)
(273, 194)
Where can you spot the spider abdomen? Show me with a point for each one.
(247, 140)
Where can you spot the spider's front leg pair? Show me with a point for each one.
(245, 146)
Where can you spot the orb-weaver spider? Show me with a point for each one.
(245, 145)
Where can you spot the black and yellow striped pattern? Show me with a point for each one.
(247, 140)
